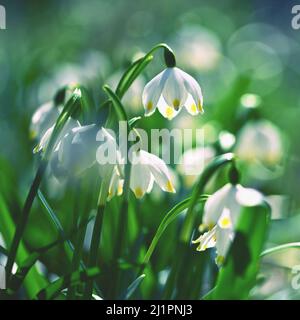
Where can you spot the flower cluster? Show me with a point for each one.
(76, 145)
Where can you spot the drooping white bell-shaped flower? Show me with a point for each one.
(75, 151)
(260, 141)
(170, 90)
(221, 215)
(146, 169)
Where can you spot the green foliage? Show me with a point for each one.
(238, 275)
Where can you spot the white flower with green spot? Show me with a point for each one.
(221, 214)
(145, 170)
(169, 91)
(75, 151)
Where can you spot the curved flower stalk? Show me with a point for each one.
(170, 90)
(260, 142)
(221, 214)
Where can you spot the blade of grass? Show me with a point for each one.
(69, 109)
(133, 287)
(291, 245)
(168, 218)
(34, 281)
(237, 276)
(54, 289)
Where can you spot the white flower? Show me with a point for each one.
(146, 169)
(43, 118)
(41, 146)
(221, 214)
(170, 90)
(260, 141)
(193, 161)
(75, 151)
(111, 166)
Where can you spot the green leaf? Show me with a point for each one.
(34, 281)
(206, 175)
(69, 109)
(237, 277)
(133, 121)
(168, 218)
(54, 219)
(117, 104)
(24, 267)
(54, 289)
(133, 287)
(291, 245)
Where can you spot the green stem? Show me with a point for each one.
(188, 224)
(96, 236)
(70, 107)
(291, 245)
(78, 238)
(180, 262)
(21, 225)
(122, 228)
(137, 67)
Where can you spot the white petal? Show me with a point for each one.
(166, 110)
(109, 144)
(153, 91)
(76, 150)
(191, 106)
(44, 141)
(225, 221)
(43, 118)
(116, 185)
(140, 179)
(159, 170)
(248, 197)
(224, 239)
(193, 88)
(216, 203)
(174, 91)
(207, 240)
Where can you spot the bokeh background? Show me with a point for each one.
(245, 55)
